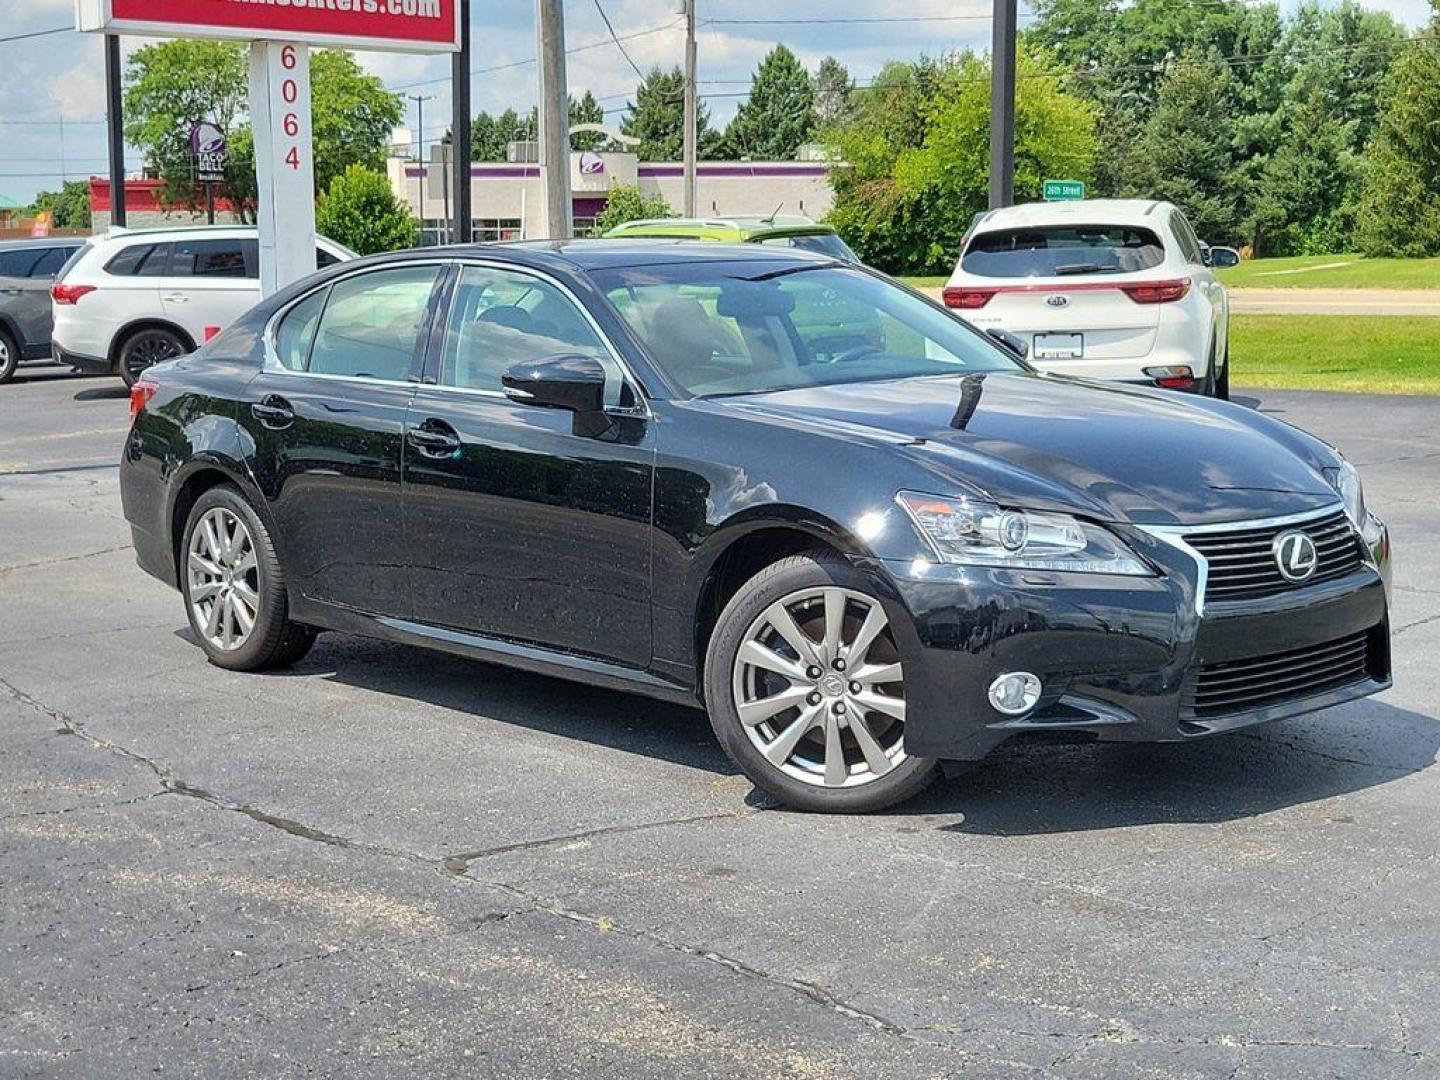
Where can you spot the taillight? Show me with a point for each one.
(140, 395)
(1158, 292)
(69, 294)
(958, 297)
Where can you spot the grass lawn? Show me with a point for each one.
(1334, 272)
(926, 282)
(1383, 354)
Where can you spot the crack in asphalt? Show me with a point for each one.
(108, 805)
(459, 864)
(1411, 626)
(4, 570)
(1398, 770)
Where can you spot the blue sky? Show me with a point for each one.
(61, 77)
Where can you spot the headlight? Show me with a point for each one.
(980, 533)
(1346, 482)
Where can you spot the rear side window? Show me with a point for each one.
(297, 332)
(75, 256)
(372, 324)
(215, 258)
(822, 243)
(52, 260)
(140, 260)
(323, 259)
(1057, 250)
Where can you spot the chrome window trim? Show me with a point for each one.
(271, 360)
(1174, 535)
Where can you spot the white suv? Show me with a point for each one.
(1104, 288)
(132, 299)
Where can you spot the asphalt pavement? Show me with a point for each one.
(390, 863)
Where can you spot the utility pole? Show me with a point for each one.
(554, 120)
(420, 100)
(691, 109)
(1002, 104)
(115, 124)
(464, 228)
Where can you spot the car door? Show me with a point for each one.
(210, 282)
(517, 527)
(326, 419)
(30, 304)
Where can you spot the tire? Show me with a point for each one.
(797, 716)
(1222, 384)
(146, 347)
(234, 563)
(9, 357)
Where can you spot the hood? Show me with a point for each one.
(1112, 452)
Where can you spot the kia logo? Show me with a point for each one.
(1057, 300)
(1295, 556)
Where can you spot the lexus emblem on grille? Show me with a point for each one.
(1057, 300)
(1295, 556)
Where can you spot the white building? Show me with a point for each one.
(509, 200)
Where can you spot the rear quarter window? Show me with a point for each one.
(1057, 250)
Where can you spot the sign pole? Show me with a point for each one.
(1002, 103)
(284, 168)
(464, 230)
(554, 121)
(115, 128)
(691, 107)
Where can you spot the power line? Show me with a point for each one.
(606, 20)
(37, 33)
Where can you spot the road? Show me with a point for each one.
(388, 863)
(1322, 301)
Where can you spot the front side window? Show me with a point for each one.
(1058, 250)
(501, 317)
(17, 263)
(372, 324)
(739, 328)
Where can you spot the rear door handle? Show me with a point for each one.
(176, 298)
(274, 412)
(434, 438)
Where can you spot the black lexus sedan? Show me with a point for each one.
(864, 536)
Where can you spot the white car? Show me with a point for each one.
(134, 298)
(1103, 288)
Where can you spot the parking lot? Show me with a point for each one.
(386, 862)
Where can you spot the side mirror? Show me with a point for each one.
(1222, 258)
(571, 382)
(1011, 343)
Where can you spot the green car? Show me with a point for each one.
(791, 232)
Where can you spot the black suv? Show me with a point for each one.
(27, 270)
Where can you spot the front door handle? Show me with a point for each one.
(434, 438)
(274, 412)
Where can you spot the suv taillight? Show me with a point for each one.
(958, 297)
(140, 395)
(69, 294)
(1158, 292)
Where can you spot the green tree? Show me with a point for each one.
(1399, 211)
(918, 150)
(657, 118)
(70, 206)
(778, 115)
(360, 211)
(832, 87)
(352, 115)
(587, 111)
(1186, 150)
(630, 204)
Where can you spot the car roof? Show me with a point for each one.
(603, 254)
(44, 242)
(1089, 211)
(729, 228)
(117, 232)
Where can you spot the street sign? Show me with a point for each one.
(399, 25)
(207, 152)
(1064, 190)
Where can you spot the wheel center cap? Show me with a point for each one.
(832, 686)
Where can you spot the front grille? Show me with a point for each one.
(1241, 685)
(1242, 561)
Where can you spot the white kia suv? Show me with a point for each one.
(1104, 288)
(134, 298)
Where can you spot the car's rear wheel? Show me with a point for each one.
(234, 587)
(1222, 384)
(146, 348)
(806, 691)
(9, 357)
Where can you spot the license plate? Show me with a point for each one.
(1059, 347)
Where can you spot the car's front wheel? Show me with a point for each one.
(806, 691)
(234, 587)
(9, 357)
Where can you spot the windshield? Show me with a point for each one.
(751, 327)
(821, 243)
(1057, 250)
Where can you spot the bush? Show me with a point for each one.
(630, 204)
(361, 212)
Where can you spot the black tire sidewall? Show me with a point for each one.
(125, 374)
(273, 628)
(11, 364)
(781, 579)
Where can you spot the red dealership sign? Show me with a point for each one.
(408, 25)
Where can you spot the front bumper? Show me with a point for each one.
(1119, 658)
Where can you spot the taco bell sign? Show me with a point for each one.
(207, 151)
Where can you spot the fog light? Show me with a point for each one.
(1015, 692)
(1174, 377)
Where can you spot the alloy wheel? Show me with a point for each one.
(148, 348)
(224, 579)
(819, 688)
